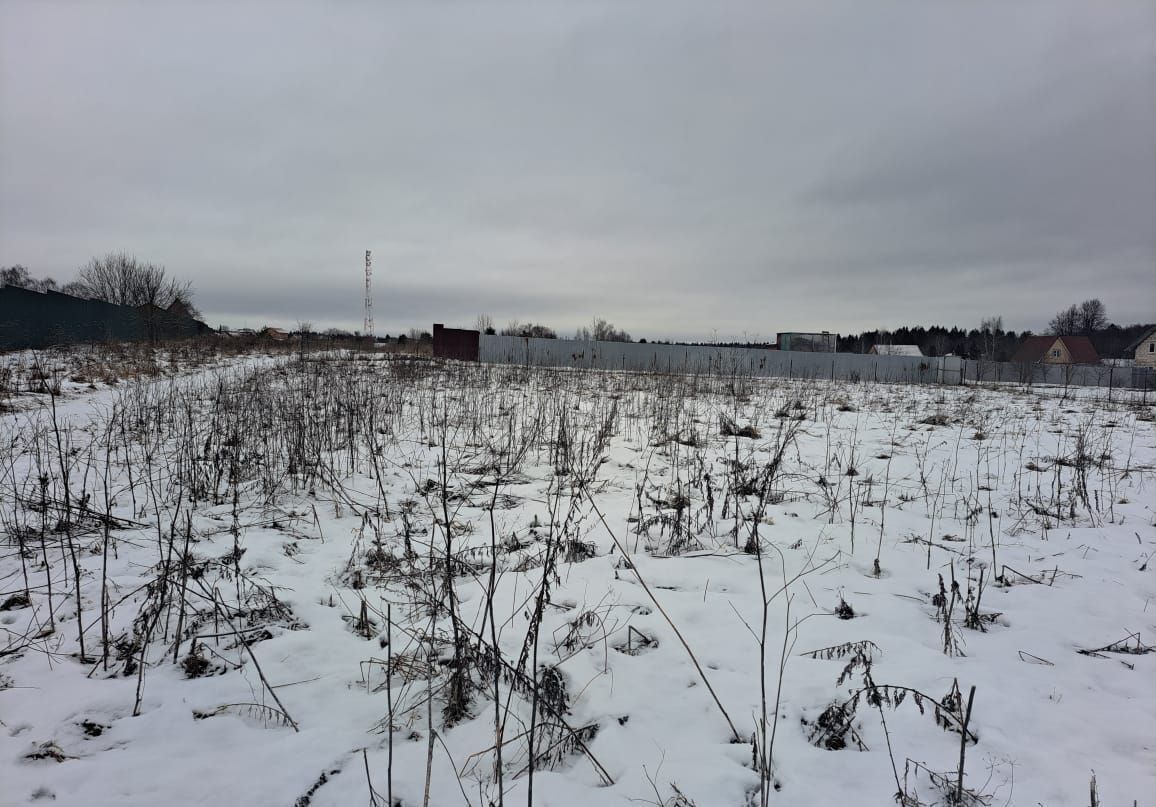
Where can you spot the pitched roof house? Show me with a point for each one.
(896, 350)
(1057, 350)
(1144, 349)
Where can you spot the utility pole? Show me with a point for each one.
(367, 327)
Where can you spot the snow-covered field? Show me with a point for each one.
(345, 579)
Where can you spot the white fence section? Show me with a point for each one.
(709, 360)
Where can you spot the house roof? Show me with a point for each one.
(897, 350)
(1144, 337)
(1035, 348)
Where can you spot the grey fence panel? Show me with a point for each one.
(951, 370)
(708, 360)
(1061, 375)
(705, 359)
(1143, 377)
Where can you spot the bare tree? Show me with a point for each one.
(485, 324)
(540, 331)
(121, 279)
(304, 332)
(1093, 316)
(1088, 316)
(990, 329)
(1066, 322)
(531, 329)
(18, 276)
(603, 331)
(15, 276)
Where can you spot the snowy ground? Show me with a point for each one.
(28, 376)
(710, 591)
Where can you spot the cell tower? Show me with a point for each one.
(367, 328)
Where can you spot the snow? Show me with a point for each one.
(1045, 492)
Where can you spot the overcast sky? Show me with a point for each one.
(681, 169)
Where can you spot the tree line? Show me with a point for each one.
(1086, 318)
(991, 342)
(599, 330)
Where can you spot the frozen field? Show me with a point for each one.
(341, 580)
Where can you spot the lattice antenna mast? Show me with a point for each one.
(367, 327)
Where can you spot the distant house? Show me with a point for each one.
(1056, 350)
(1144, 349)
(276, 334)
(895, 350)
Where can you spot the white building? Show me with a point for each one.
(1144, 349)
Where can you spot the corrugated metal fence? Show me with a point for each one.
(32, 319)
(705, 359)
(1063, 375)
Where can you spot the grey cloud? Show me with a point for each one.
(676, 167)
